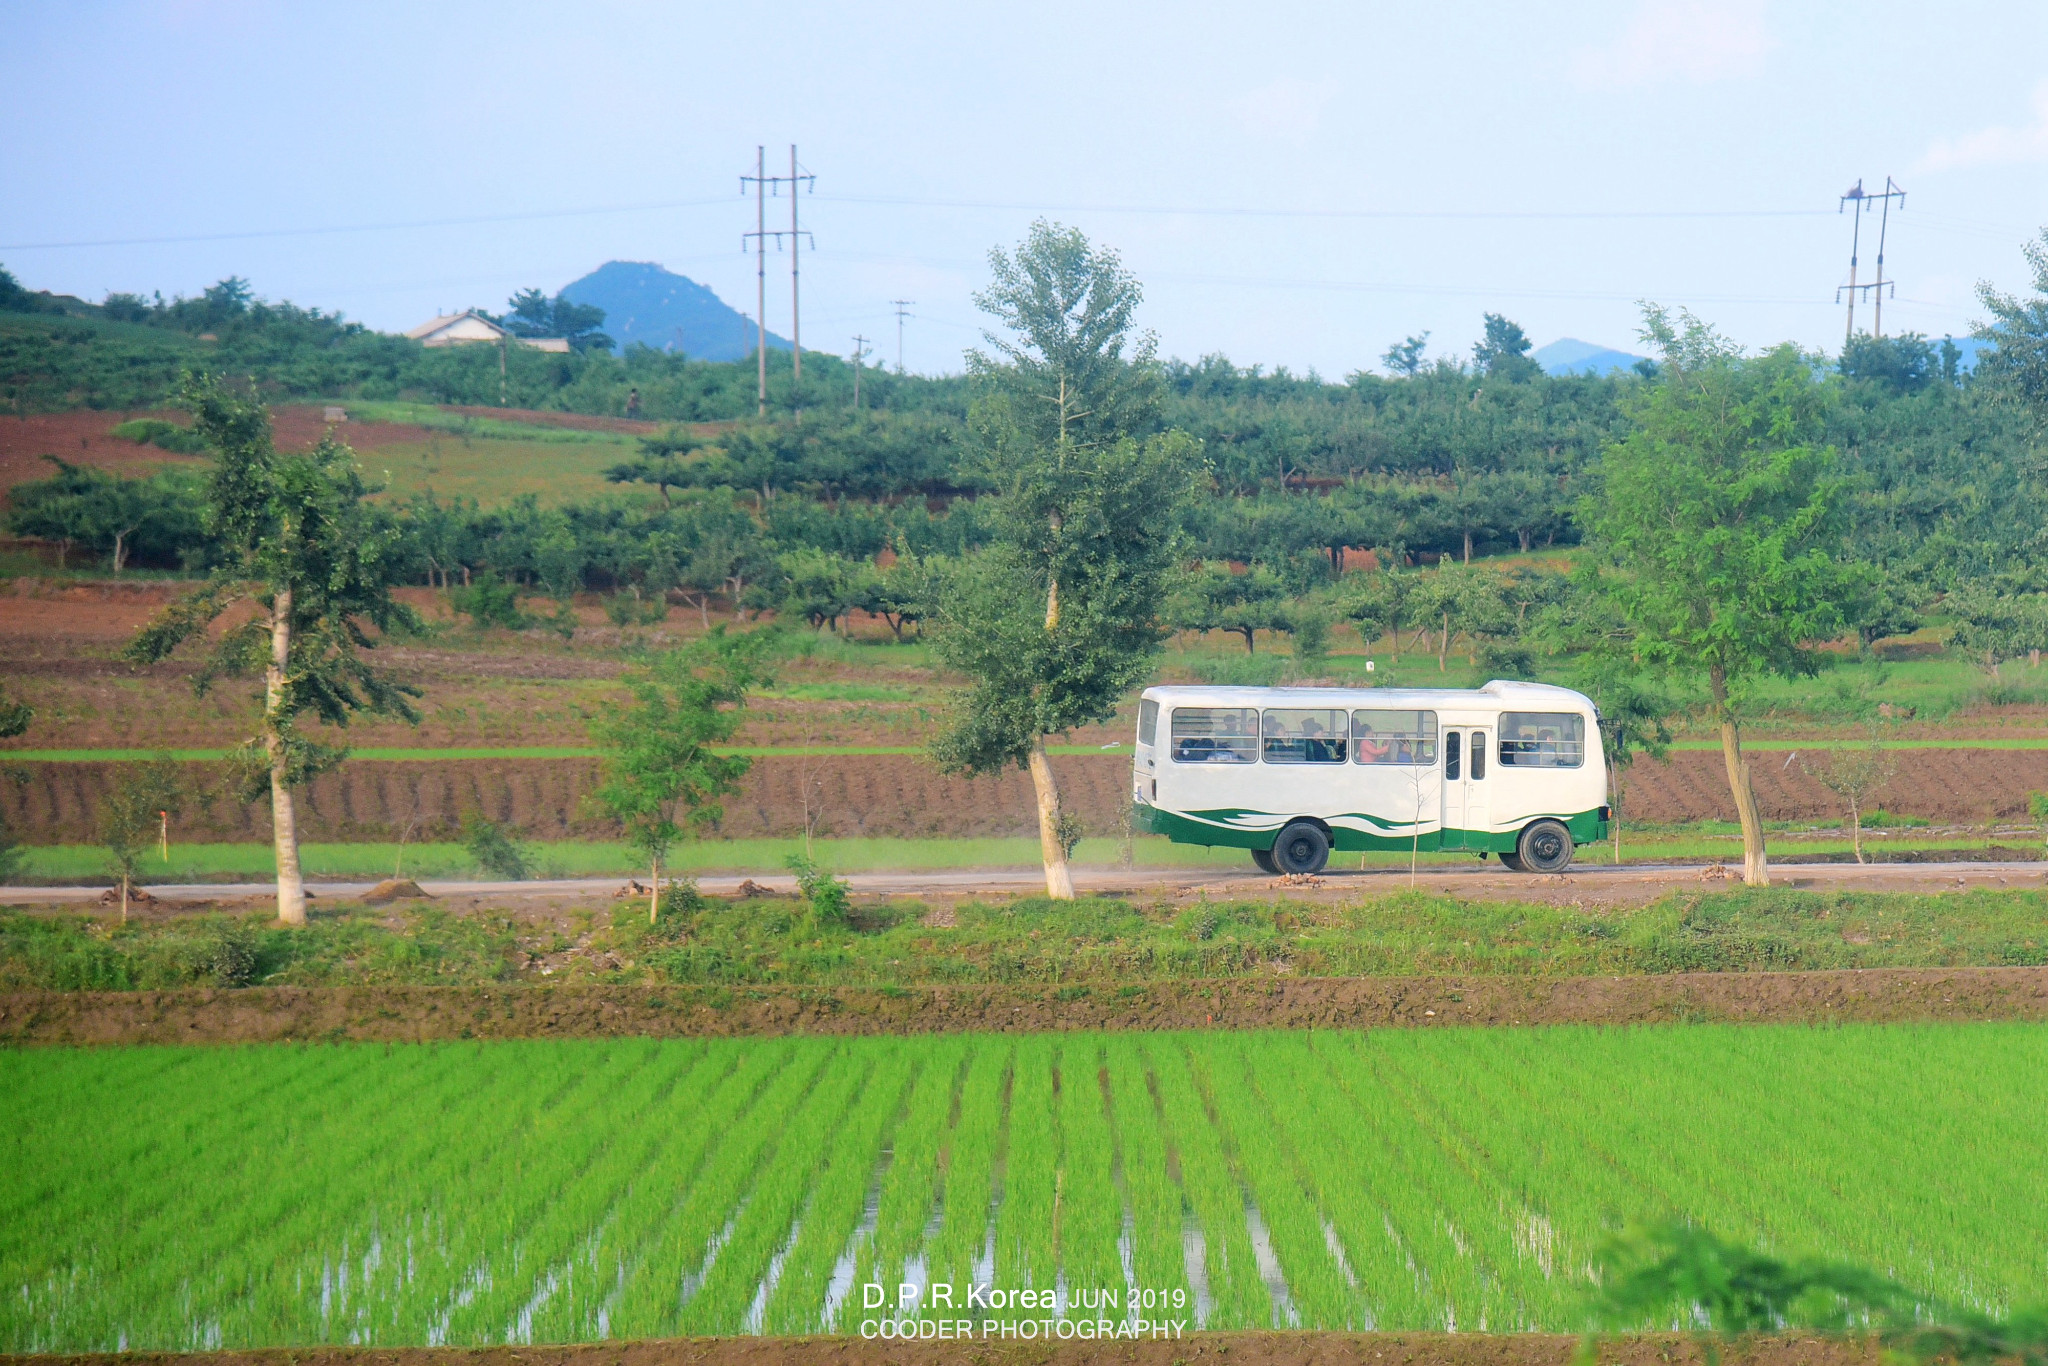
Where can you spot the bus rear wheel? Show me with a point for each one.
(1264, 858)
(1302, 849)
(1545, 847)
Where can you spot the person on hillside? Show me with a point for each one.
(633, 403)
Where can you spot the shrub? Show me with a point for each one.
(827, 896)
(493, 849)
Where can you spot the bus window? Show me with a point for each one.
(1304, 737)
(1542, 739)
(1148, 722)
(1478, 755)
(1215, 735)
(1451, 766)
(1394, 737)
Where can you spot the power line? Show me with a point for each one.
(902, 307)
(1186, 210)
(472, 220)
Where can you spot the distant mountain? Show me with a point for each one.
(644, 303)
(1570, 356)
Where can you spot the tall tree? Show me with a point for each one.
(2018, 332)
(1057, 620)
(1716, 529)
(1405, 357)
(295, 538)
(1503, 352)
(663, 775)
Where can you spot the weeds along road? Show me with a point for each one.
(1584, 882)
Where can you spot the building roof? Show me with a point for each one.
(455, 329)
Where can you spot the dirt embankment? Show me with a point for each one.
(848, 795)
(902, 795)
(276, 1014)
(1210, 1349)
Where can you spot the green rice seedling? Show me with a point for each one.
(837, 1204)
(1025, 1258)
(971, 1156)
(912, 1184)
(290, 1196)
(682, 1243)
(762, 1221)
(1150, 1187)
(1214, 1196)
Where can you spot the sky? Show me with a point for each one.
(1296, 185)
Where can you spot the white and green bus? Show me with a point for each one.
(1290, 774)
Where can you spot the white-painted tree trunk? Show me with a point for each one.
(284, 827)
(1059, 880)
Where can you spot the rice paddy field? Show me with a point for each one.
(466, 1193)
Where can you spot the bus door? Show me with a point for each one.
(1467, 758)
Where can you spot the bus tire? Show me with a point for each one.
(1264, 858)
(1512, 862)
(1545, 847)
(1301, 850)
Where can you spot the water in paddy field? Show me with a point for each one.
(532, 1192)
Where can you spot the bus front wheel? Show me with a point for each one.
(1545, 847)
(1301, 849)
(1264, 858)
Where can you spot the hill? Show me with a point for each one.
(645, 303)
(1570, 356)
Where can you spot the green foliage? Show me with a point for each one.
(1057, 620)
(1716, 519)
(1674, 1269)
(662, 773)
(293, 534)
(827, 897)
(169, 436)
(157, 519)
(489, 601)
(494, 849)
(2018, 332)
(1503, 351)
(534, 314)
(130, 814)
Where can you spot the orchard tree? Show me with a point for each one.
(296, 539)
(663, 775)
(1058, 618)
(2018, 332)
(1715, 531)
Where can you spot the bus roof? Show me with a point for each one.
(1498, 693)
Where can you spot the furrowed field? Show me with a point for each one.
(560, 1191)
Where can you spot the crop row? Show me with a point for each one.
(162, 1198)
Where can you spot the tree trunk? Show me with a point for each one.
(124, 898)
(1444, 645)
(654, 893)
(284, 828)
(1059, 882)
(120, 550)
(1246, 632)
(1756, 866)
(1856, 829)
(1468, 547)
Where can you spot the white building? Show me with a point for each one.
(460, 329)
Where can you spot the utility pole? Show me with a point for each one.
(1891, 191)
(1862, 201)
(760, 236)
(765, 184)
(860, 351)
(901, 306)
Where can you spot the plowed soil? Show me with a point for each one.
(86, 438)
(275, 1014)
(368, 799)
(1210, 1349)
(902, 795)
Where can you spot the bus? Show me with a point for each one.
(1290, 774)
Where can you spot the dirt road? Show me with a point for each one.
(1587, 884)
